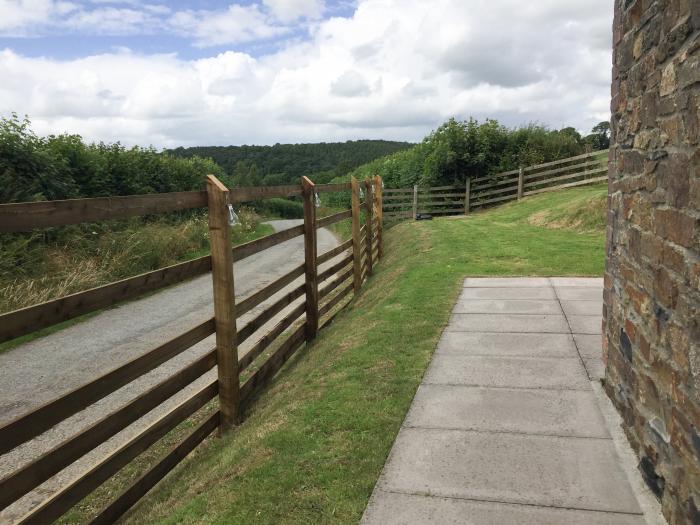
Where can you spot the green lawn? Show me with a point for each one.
(313, 444)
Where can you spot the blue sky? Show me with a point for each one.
(59, 39)
(266, 71)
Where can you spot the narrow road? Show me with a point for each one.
(44, 369)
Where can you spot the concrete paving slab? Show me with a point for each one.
(574, 293)
(576, 473)
(584, 282)
(504, 344)
(595, 368)
(582, 307)
(511, 282)
(508, 323)
(497, 292)
(501, 306)
(585, 324)
(554, 412)
(515, 372)
(390, 508)
(589, 346)
(504, 427)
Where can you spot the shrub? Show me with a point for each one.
(282, 208)
(248, 223)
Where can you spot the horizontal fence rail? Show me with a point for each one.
(484, 191)
(25, 216)
(41, 419)
(32, 318)
(280, 317)
(246, 194)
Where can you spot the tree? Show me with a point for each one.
(33, 168)
(571, 133)
(600, 136)
(460, 149)
(29, 171)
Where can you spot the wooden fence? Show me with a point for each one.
(480, 192)
(324, 291)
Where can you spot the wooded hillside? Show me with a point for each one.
(285, 163)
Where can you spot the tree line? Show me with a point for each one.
(460, 149)
(286, 163)
(65, 167)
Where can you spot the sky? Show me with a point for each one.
(185, 73)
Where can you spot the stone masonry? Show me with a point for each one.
(651, 315)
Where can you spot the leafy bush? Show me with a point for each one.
(33, 168)
(282, 208)
(249, 221)
(461, 149)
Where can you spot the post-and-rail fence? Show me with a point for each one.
(324, 291)
(481, 192)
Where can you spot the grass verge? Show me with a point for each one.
(56, 287)
(314, 442)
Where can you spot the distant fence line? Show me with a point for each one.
(480, 192)
(347, 267)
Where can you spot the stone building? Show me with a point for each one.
(652, 278)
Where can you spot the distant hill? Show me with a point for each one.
(286, 163)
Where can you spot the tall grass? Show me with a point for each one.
(39, 267)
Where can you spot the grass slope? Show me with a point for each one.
(314, 443)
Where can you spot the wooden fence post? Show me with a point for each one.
(521, 182)
(415, 201)
(224, 302)
(467, 195)
(310, 267)
(356, 247)
(368, 223)
(378, 197)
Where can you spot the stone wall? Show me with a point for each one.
(651, 320)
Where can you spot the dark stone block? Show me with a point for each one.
(695, 439)
(625, 345)
(655, 482)
(673, 41)
(661, 314)
(657, 154)
(693, 512)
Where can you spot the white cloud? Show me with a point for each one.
(112, 21)
(291, 10)
(17, 15)
(395, 69)
(350, 84)
(233, 25)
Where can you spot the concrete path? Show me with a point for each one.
(506, 426)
